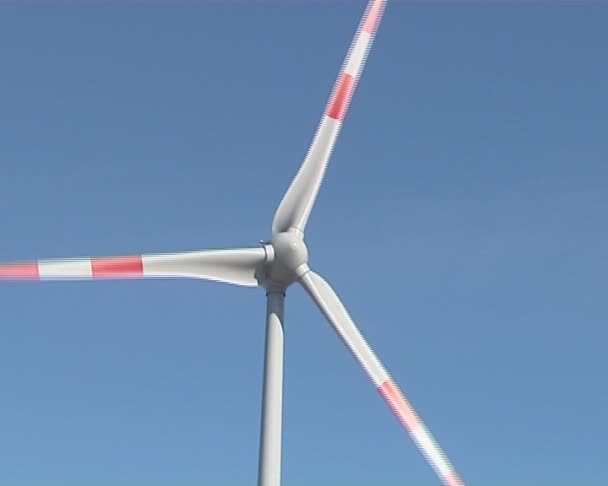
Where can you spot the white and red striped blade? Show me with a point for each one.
(238, 266)
(331, 306)
(297, 203)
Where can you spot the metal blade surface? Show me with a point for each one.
(333, 309)
(235, 266)
(297, 203)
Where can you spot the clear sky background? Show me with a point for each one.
(462, 221)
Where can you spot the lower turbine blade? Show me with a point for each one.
(238, 266)
(331, 306)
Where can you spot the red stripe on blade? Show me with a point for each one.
(373, 17)
(20, 271)
(117, 267)
(339, 103)
(399, 404)
(452, 479)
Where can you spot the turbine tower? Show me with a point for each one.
(275, 266)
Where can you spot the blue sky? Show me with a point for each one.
(462, 221)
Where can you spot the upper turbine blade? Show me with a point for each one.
(238, 266)
(294, 210)
(331, 306)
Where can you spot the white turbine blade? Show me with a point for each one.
(294, 210)
(331, 306)
(238, 266)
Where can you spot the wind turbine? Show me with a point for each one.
(275, 266)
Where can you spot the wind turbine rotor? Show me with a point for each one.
(275, 266)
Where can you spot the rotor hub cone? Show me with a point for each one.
(286, 260)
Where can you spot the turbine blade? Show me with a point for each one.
(331, 306)
(297, 203)
(236, 266)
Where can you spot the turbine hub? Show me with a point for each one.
(290, 250)
(287, 260)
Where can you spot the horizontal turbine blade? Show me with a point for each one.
(331, 306)
(237, 266)
(297, 203)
